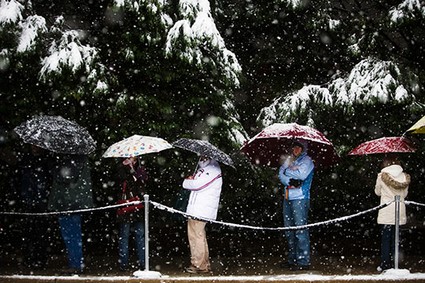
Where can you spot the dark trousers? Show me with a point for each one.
(36, 242)
(387, 246)
(139, 230)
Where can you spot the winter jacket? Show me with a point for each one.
(72, 186)
(205, 190)
(301, 169)
(134, 183)
(36, 181)
(392, 181)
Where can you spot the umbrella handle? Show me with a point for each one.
(196, 168)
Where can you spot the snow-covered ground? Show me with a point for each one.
(238, 269)
(388, 276)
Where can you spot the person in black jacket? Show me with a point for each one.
(35, 187)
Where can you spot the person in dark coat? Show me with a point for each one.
(71, 190)
(132, 177)
(35, 188)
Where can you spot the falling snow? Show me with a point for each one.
(369, 80)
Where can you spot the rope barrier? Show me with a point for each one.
(73, 211)
(186, 215)
(332, 221)
(414, 203)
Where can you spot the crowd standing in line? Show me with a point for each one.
(71, 189)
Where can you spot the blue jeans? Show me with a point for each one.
(387, 246)
(295, 213)
(124, 236)
(70, 226)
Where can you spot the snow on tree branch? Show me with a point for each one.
(236, 132)
(31, 28)
(10, 12)
(407, 10)
(295, 3)
(69, 53)
(194, 33)
(369, 81)
(153, 6)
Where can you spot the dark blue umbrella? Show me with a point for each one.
(202, 147)
(56, 134)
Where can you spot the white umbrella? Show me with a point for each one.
(137, 145)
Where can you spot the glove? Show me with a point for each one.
(295, 183)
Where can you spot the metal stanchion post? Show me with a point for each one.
(146, 198)
(397, 224)
(146, 273)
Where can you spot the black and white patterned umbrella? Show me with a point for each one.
(56, 134)
(202, 147)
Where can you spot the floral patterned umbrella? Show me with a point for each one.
(136, 145)
(272, 144)
(384, 145)
(56, 134)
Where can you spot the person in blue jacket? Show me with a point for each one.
(296, 174)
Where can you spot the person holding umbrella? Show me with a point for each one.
(296, 174)
(132, 177)
(205, 186)
(35, 188)
(71, 179)
(391, 181)
(71, 190)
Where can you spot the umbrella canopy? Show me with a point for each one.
(204, 148)
(273, 143)
(384, 145)
(418, 127)
(56, 134)
(136, 145)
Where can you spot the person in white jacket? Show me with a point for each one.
(205, 186)
(391, 181)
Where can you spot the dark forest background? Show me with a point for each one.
(280, 49)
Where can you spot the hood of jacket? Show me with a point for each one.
(304, 145)
(393, 176)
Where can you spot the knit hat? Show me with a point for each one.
(301, 143)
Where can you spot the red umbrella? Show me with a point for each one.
(384, 145)
(273, 144)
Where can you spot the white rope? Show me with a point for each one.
(414, 203)
(73, 211)
(332, 221)
(172, 210)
